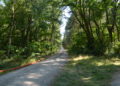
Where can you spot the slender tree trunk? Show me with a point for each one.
(11, 28)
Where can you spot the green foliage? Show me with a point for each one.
(28, 27)
(117, 48)
(100, 47)
(93, 27)
(2, 54)
(79, 46)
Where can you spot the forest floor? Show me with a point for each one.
(40, 74)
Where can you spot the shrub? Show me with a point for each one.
(2, 54)
(117, 48)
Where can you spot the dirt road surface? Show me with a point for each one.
(40, 74)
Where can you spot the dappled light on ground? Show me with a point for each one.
(88, 71)
(86, 79)
(40, 74)
(81, 58)
(30, 83)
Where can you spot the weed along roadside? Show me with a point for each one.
(11, 69)
(22, 66)
(88, 71)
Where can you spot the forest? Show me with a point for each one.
(30, 31)
(94, 27)
(30, 28)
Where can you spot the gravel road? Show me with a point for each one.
(116, 79)
(40, 74)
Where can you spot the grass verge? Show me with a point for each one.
(16, 62)
(88, 71)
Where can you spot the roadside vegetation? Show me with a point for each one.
(15, 62)
(86, 70)
(94, 27)
(29, 30)
(93, 30)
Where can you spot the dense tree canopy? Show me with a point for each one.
(32, 26)
(28, 26)
(94, 27)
